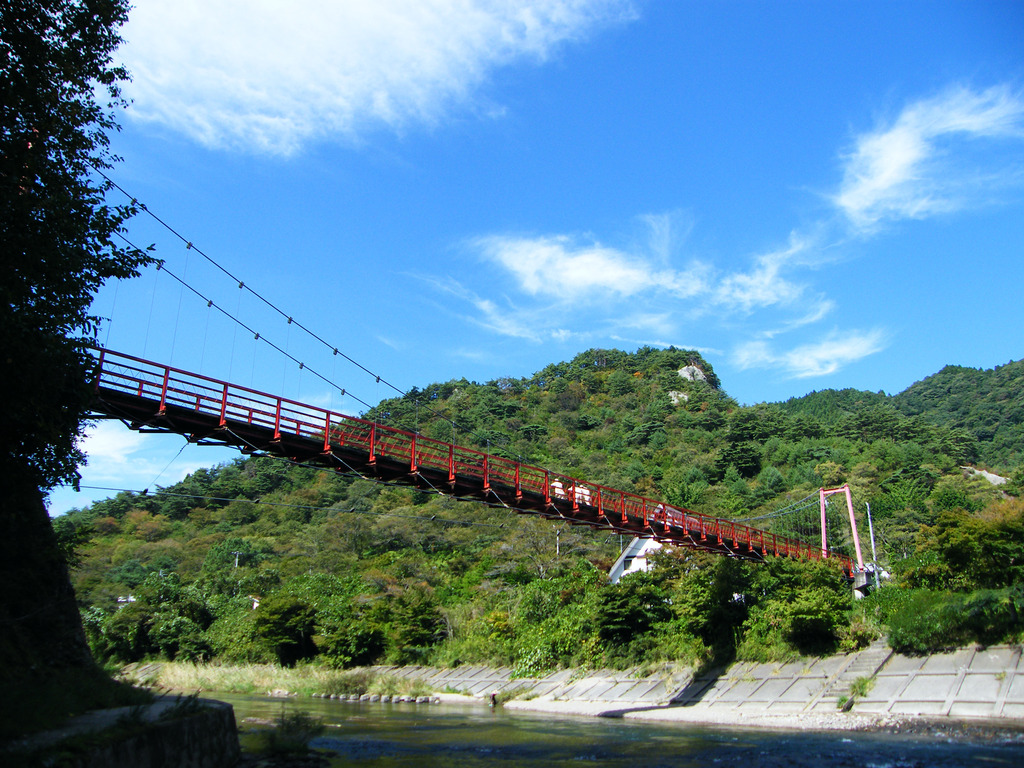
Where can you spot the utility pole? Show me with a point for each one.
(871, 531)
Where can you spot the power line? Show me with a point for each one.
(210, 303)
(189, 245)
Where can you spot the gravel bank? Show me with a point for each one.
(982, 731)
(817, 721)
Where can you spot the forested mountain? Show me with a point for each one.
(987, 403)
(259, 559)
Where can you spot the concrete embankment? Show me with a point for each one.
(170, 733)
(863, 689)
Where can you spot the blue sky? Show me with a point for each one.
(811, 194)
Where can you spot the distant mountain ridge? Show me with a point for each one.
(986, 403)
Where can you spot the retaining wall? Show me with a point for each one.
(137, 738)
(967, 683)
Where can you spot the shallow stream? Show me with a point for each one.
(399, 735)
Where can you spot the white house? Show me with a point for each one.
(633, 558)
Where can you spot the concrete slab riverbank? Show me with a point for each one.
(864, 689)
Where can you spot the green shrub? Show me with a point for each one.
(292, 733)
(858, 634)
(813, 620)
(994, 615)
(925, 622)
(232, 636)
(762, 637)
(535, 662)
(355, 681)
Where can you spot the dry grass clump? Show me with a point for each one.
(304, 680)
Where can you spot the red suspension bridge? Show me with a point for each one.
(149, 396)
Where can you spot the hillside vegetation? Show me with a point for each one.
(259, 560)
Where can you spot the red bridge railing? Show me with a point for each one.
(144, 393)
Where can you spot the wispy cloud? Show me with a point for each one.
(921, 163)
(666, 344)
(913, 167)
(121, 458)
(820, 358)
(504, 318)
(266, 76)
(124, 458)
(618, 295)
(820, 308)
(559, 280)
(765, 285)
(560, 268)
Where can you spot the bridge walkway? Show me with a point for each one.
(149, 396)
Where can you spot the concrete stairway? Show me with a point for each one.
(863, 664)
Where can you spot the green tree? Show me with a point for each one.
(708, 599)
(798, 607)
(58, 92)
(413, 624)
(58, 234)
(287, 624)
(628, 611)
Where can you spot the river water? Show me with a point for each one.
(452, 736)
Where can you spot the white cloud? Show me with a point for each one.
(121, 458)
(505, 320)
(111, 448)
(827, 356)
(268, 76)
(559, 279)
(822, 309)
(124, 458)
(665, 231)
(654, 322)
(911, 168)
(666, 344)
(557, 268)
(764, 285)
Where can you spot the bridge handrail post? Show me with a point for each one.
(223, 406)
(99, 368)
(163, 390)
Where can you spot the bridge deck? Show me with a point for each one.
(148, 395)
